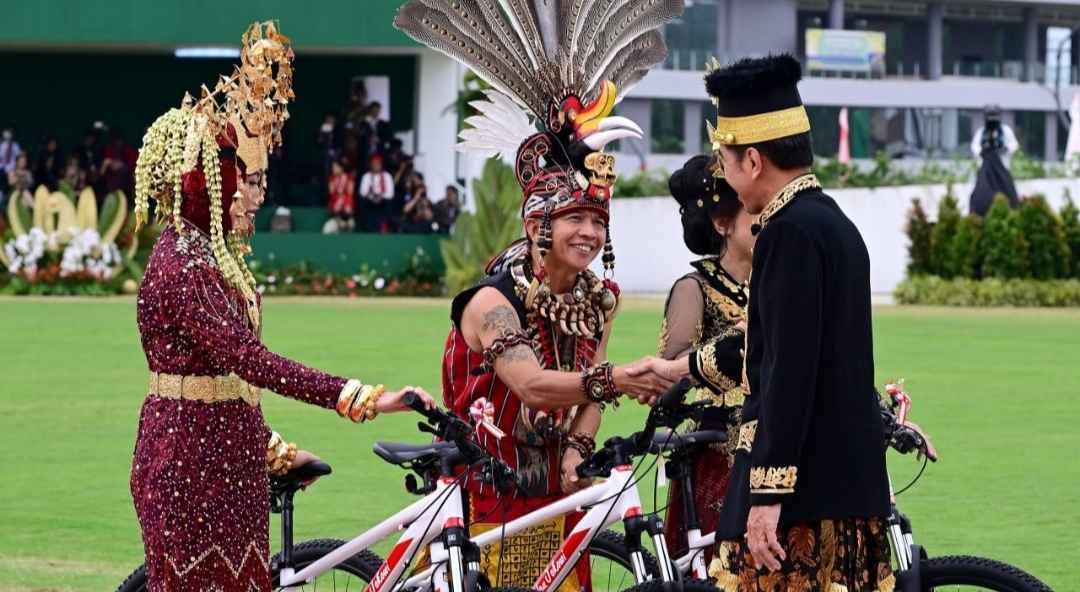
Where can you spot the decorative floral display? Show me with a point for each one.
(419, 277)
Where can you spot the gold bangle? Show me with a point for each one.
(284, 462)
(272, 446)
(347, 398)
(356, 412)
(370, 412)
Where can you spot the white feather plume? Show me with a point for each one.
(498, 130)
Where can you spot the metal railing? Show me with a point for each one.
(698, 61)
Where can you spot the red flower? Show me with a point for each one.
(194, 182)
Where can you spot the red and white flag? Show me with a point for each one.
(845, 146)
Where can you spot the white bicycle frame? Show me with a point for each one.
(693, 562)
(423, 522)
(608, 502)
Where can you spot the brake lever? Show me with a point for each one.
(596, 465)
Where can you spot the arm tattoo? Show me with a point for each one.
(512, 344)
(500, 319)
(519, 353)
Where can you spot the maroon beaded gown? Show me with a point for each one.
(199, 474)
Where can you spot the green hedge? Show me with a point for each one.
(1032, 241)
(1024, 257)
(934, 290)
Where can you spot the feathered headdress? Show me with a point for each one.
(557, 68)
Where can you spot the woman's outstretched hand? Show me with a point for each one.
(391, 402)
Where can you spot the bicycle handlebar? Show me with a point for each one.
(899, 436)
(448, 427)
(670, 411)
(676, 393)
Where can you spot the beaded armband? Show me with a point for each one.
(279, 455)
(580, 441)
(509, 339)
(598, 384)
(357, 400)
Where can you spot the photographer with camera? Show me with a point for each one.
(995, 143)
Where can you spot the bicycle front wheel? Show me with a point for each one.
(959, 573)
(688, 585)
(136, 582)
(610, 566)
(352, 574)
(356, 571)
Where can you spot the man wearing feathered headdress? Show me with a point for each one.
(809, 493)
(527, 349)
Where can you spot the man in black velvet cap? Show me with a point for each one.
(809, 491)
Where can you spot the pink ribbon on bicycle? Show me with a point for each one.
(483, 413)
(900, 396)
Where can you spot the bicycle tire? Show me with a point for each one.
(611, 545)
(991, 575)
(363, 566)
(136, 582)
(688, 585)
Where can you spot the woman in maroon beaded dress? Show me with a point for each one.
(200, 471)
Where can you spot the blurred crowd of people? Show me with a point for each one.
(103, 166)
(363, 177)
(370, 183)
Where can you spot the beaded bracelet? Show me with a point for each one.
(598, 385)
(580, 441)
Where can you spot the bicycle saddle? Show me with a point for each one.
(291, 481)
(399, 454)
(689, 440)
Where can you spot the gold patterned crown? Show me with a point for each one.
(256, 99)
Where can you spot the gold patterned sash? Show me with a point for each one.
(209, 389)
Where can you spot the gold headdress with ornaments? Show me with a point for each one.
(253, 102)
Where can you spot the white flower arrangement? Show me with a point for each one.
(85, 253)
(26, 251)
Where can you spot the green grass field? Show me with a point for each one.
(995, 389)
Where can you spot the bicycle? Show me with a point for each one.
(915, 570)
(608, 502)
(436, 521)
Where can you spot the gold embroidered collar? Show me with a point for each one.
(784, 197)
(720, 280)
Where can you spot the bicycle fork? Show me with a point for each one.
(909, 556)
(636, 524)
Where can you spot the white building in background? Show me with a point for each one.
(943, 62)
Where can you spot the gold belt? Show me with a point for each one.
(209, 389)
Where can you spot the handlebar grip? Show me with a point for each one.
(414, 402)
(675, 394)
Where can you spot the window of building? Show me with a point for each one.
(692, 38)
(1030, 129)
(667, 122)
